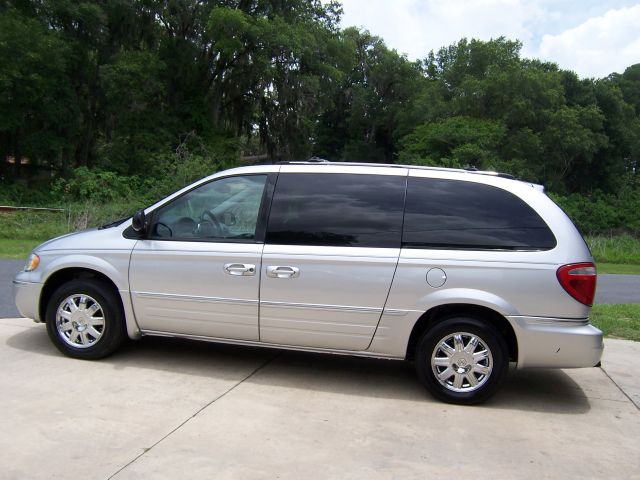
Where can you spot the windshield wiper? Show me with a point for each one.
(115, 223)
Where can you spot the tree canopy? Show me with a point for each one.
(121, 86)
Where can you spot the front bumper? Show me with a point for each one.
(27, 297)
(556, 343)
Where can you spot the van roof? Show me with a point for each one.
(473, 170)
(321, 161)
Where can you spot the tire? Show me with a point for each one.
(446, 364)
(85, 319)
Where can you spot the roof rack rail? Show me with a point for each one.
(474, 169)
(469, 169)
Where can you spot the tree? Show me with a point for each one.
(483, 102)
(156, 86)
(39, 107)
(272, 65)
(133, 93)
(371, 108)
(456, 142)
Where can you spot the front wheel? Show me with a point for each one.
(462, 360)
(85, 320)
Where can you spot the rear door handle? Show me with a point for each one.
(283, 272)
(240, 269)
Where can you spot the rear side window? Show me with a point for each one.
(458, 214)
(330, 209)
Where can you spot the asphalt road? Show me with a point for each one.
(8, 269)
(618, 289)
(611, 288)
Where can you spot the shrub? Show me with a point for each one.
(600, 214)
(94, 185)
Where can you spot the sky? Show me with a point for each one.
(593, 38)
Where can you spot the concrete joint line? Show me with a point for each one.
(146, 450)
(618, 386)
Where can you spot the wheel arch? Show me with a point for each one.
(62, 276)
(440, 313)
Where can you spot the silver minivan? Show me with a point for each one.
(459, 271)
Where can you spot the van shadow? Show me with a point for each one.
(544, 390)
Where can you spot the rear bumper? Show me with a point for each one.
(556, 343)
(27, 297)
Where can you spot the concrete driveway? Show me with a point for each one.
(174, 409)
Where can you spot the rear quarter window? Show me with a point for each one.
(458, 214)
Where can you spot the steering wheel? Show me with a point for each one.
(160, 224)
(213, 220)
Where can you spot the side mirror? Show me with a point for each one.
(139, 222)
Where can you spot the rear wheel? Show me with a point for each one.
(84, 319)
(462, 360)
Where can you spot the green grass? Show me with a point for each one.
(17, 249)
(22, 230)
(619, 249)
(616, 254)
(618, 321)
(35, 224)
(619, 268)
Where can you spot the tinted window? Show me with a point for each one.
(337, 210)
(458, 214)
(224, 209)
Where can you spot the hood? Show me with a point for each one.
(92, 239)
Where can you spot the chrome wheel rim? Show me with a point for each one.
(80, 321)
(462, 362)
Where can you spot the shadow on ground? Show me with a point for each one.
(543, 390)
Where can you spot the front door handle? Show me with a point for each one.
(283, 272)
(240, 269)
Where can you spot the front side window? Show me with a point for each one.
(222, 210)
(458, 214)
(330, 209)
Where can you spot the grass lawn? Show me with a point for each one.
(17, 249)
(620, 268)
(618, 321)
(620, 249)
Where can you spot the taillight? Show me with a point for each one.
(579, 280)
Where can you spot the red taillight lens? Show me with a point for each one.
(579, 280)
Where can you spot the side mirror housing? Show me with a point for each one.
(139, 222)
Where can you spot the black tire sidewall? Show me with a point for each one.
(114, 329)
(489, 335)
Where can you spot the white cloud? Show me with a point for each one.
(592, 37)
(415, 27)
(599, 46)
